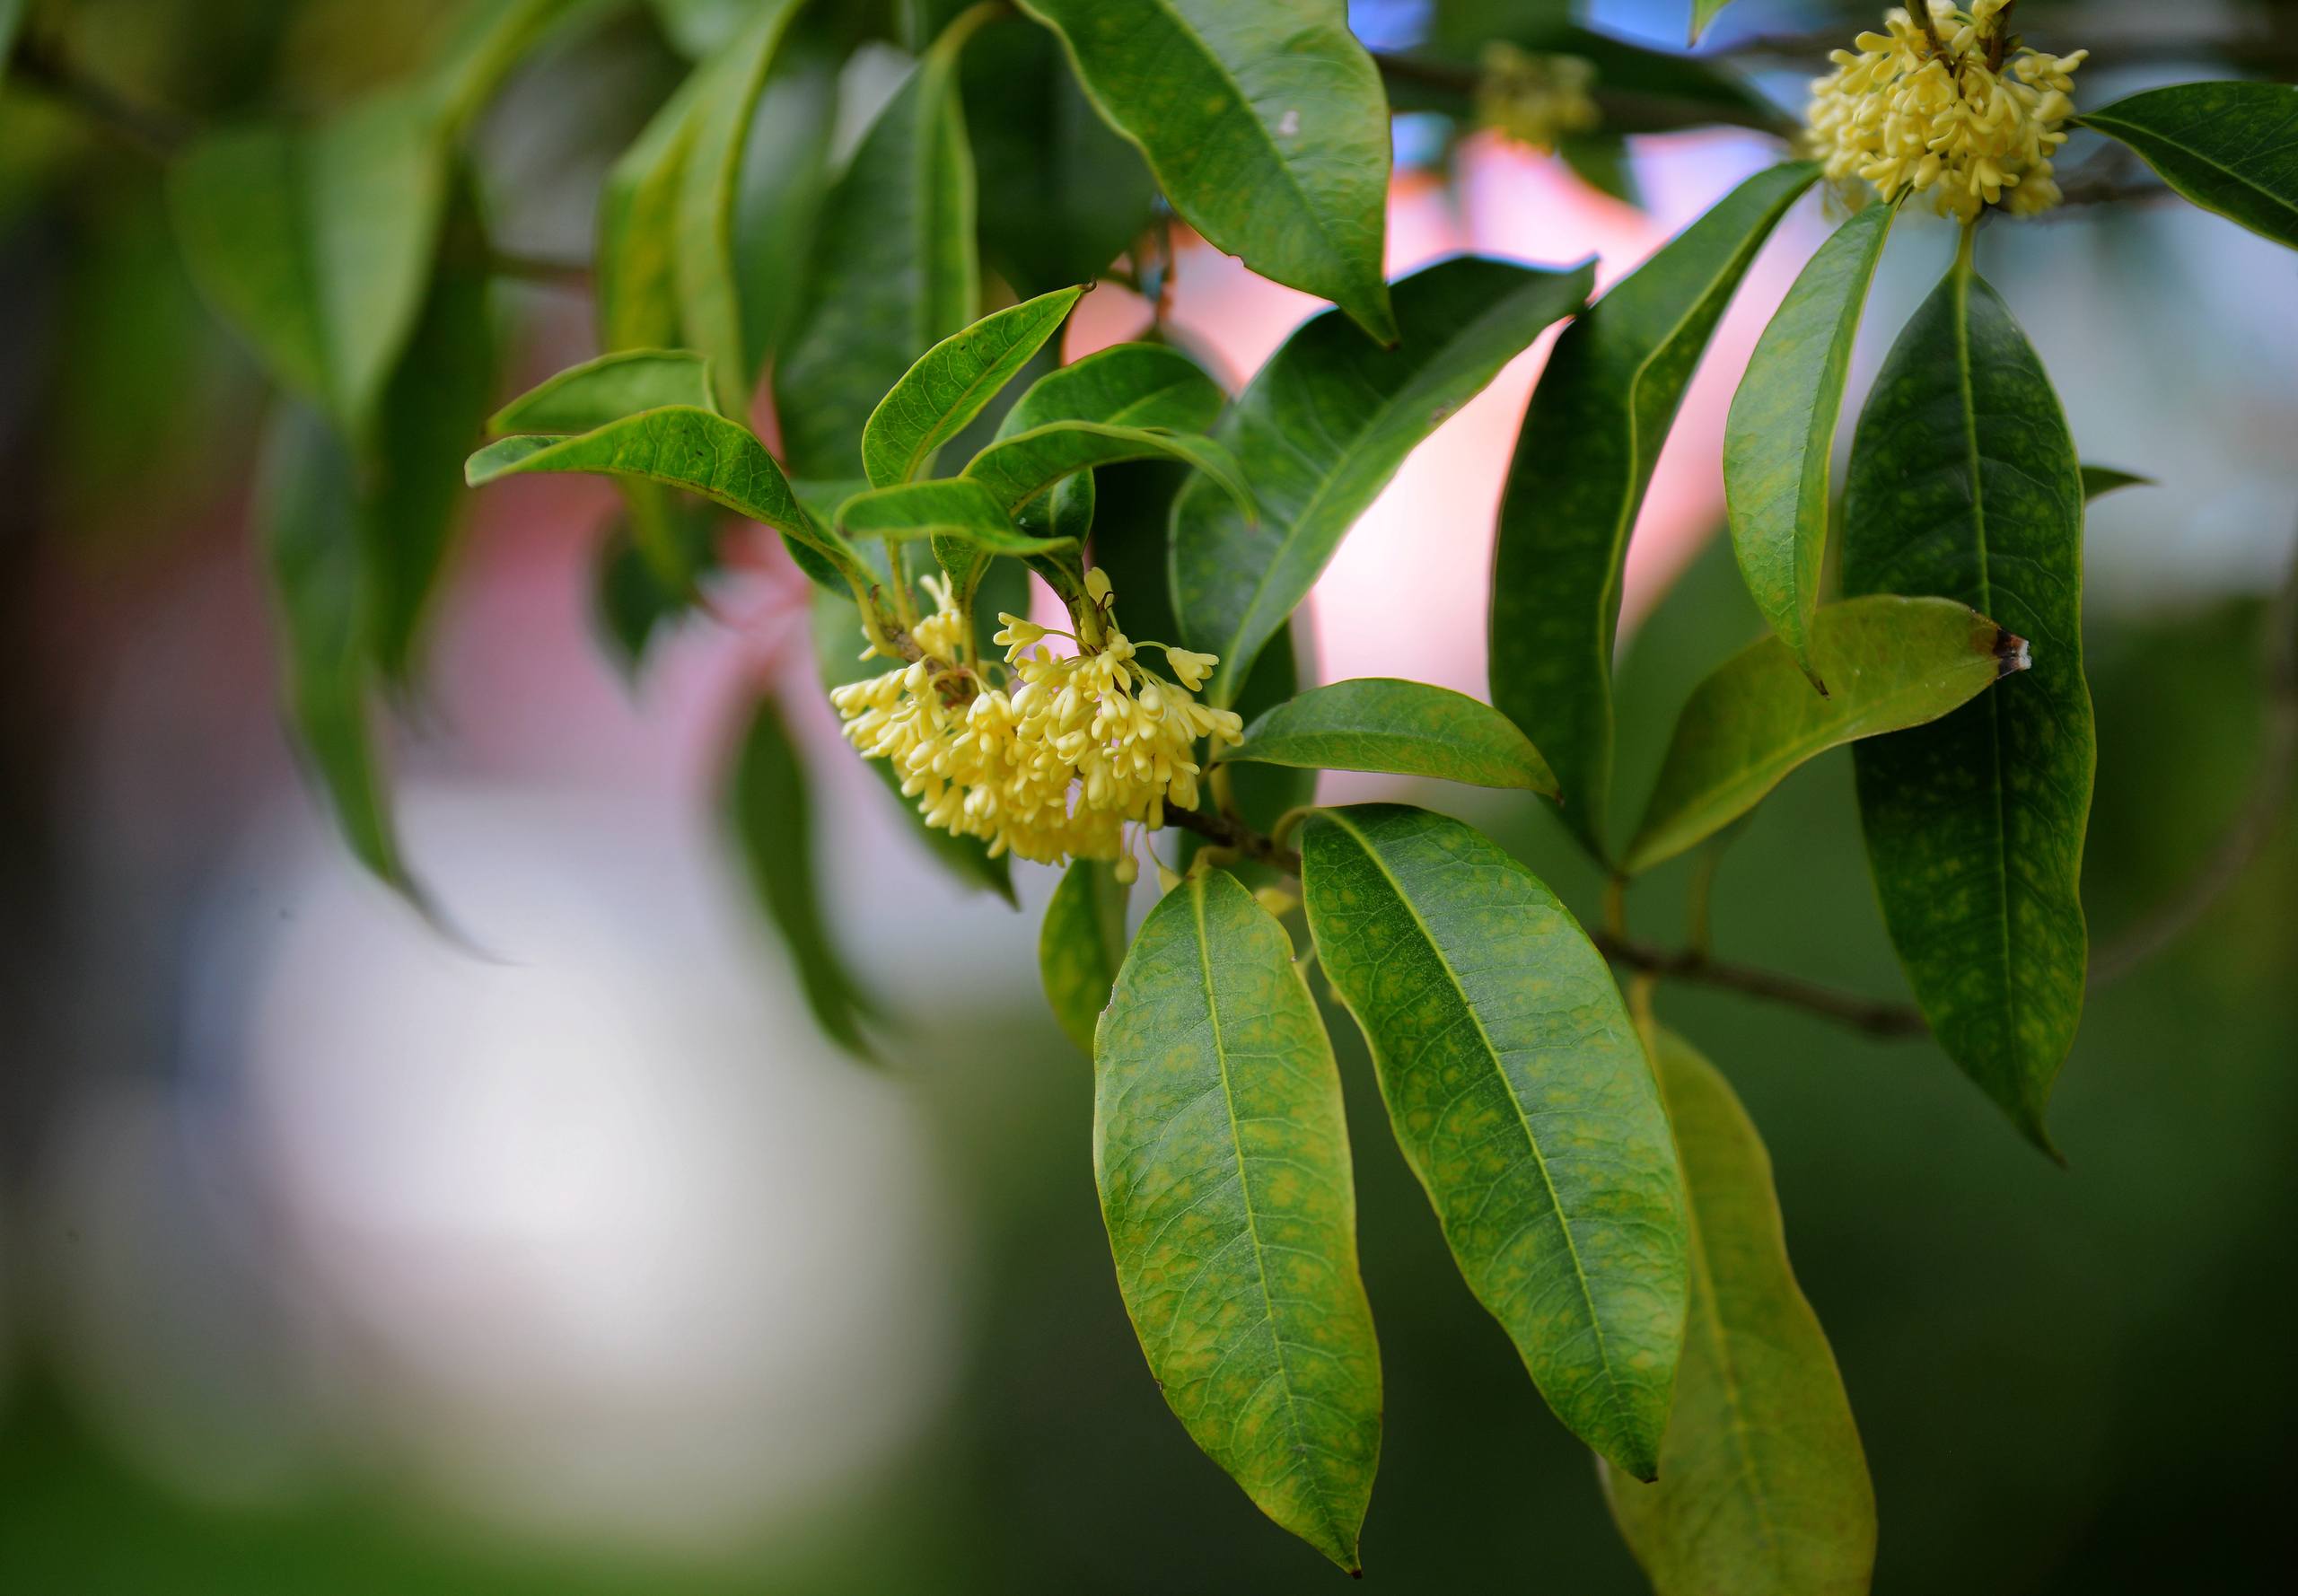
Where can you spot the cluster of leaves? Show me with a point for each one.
(1604, 1195)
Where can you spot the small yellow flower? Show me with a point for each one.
(1954, 110)
(1058, 760)
(1535, 98)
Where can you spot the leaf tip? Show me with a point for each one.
(2012, 654)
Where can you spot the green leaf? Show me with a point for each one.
(607, 388)
(709, 294)
(1080, 943)
(629, 601)
(2228, 147)
(895, 270)
(785, 176)
(1638, 90)
(1704, 12)
(12, 17)
(1521, 1095)
(1779, 443)
(1223, 1161)
(411, 497)
(1402, 728)
(1894, 663)
(2098, 481)
(683, 447)
(315, 245)
(954, 507)
(1964, 483)
(1264, 124)
(1123, 385)
(308, 520)
(636, 272)
(1062, 195)
(1019, 468)
(490, 38)
(838, 644)
(1584, 456)
(1323, 427)
(951, 383)
(773, 819)
(1763, 1487)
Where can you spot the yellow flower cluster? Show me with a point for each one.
(1057, 761)
(1934, 107)
(1535, 98)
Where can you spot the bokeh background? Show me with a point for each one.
(334, 1258)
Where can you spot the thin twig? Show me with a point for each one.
(1872, 1016)
(537, 268)
(155, 134)
(1237, 835)
(2260, 818)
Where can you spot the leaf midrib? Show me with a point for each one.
(1252, 1225)
(1491, 1052)
(2118, 127)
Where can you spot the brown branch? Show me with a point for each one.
(537, 268)
(2260, 818)
(1231, 833)
(156, 135)
(1874, 1016)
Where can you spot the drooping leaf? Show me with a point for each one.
(1224, 1166)
(1401, 728)
(953, 508)
(1264, 124)
(636, 274)
(1590, 440)
(1019, 468)
(315, 244)
(1123, 385)
(1892, 664)
(679, 446)
(1520, 1094)
(1323, 427)
(1964, 483)
(784, 178)
(631, 604)
(1779, 442)
(2098, 481)
(2228, 147)
(895, 269)
(308, 523)
(1763, 1487)
(709, 292)
(773, 819)
(1704, 12)
(429, 416)
(607, 388)
(1080, 943)
(1062, 195)
(838, 643)
(951, 383)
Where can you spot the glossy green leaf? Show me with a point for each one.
(677, 447)
(951, 383)
(1323, 427)
(1264, 124)
(1964, 483)
(1779, 442)
(636, 272)
(1062, 195)
(1892, 662)
(1222, 1160)
(2232, 148)
(773, 819)
(954, 507)
(1081, 944)
(1583, 458)
(308, 517)
(1401, 728)
(895, 269)
(1521, 1095)
(784, 178)
(607, 388)
(1763, 1487)
(1019, 468)
(2098, 481)
(838, 647)
(315, 245)
(1123, 385)
(427, 419)
(709, 294)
